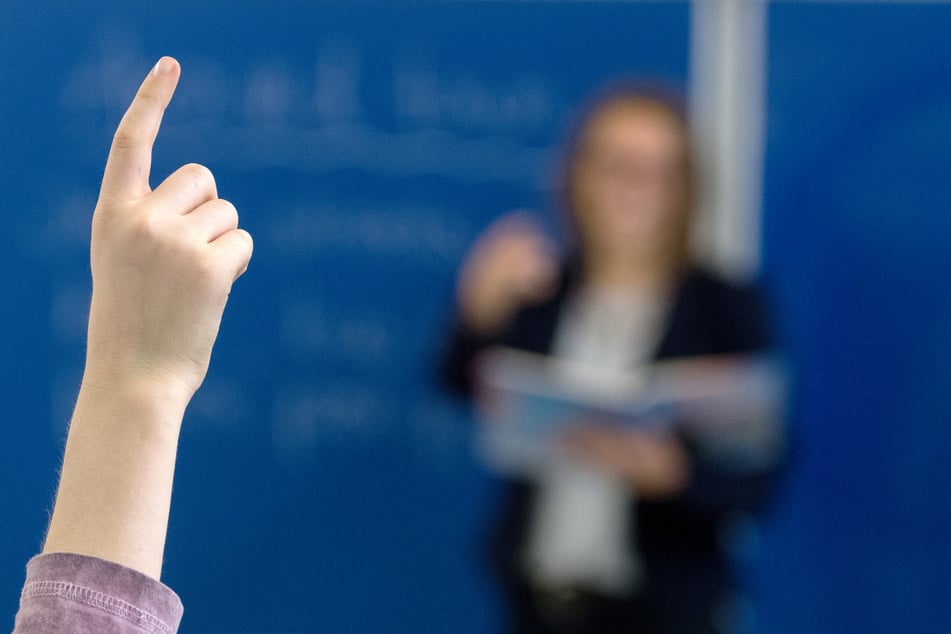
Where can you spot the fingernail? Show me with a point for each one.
(162, 67)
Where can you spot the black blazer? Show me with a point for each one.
(679, 539)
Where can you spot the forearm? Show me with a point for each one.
(116, 482)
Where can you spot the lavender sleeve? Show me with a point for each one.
(76, 594)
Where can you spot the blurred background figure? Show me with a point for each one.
(624, 535)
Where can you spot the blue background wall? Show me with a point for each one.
(324, 482)
(857, 228)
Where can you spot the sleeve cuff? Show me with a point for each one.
(101, 590)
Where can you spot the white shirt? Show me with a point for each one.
(579, 532)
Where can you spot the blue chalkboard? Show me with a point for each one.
(325, 483)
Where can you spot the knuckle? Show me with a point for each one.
(147, 98)
(240, 249)
(248, 242)
(150, 225)
(228, 209)
(200, 174)
(128, 136)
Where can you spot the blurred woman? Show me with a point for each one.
(626, 535)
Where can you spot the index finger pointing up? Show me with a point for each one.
(130, 158)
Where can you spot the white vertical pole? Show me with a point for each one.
(727, 110)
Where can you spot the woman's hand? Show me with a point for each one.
(512, 264)
(655, 463)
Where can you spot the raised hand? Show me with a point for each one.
(163, 261)
(512, 264)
